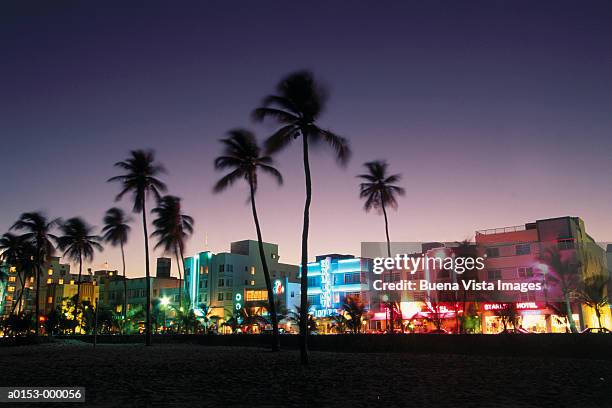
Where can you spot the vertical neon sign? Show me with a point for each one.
(326, 287)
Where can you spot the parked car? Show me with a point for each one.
(596, 330)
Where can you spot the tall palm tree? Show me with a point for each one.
(18, 253)
(379, 191)
(38, 232)
(297, 105)
(115, 231)
(140, 180)
(563, 273)
(243, 157)
(172, 229)
(78, 244)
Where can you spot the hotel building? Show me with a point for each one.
(228, 282)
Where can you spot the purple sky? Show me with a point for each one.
(495, 115)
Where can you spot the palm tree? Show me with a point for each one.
(172, 229)
(38, 232)
(115, 231)
(593, 292)
(243, 157)
(354, 307)
(78, 243)
(140, 180)
(563, 273)
(379, 191)
(12, 254)
(296, 106)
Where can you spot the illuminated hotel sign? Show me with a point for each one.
(519, 306)
(326, 285)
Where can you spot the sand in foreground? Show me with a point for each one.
(185, 375)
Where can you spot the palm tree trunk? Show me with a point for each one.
(382, 202)
(147, 276)
(37, 306)
(568, 309)
(183, 266)
(391, 311)
(180, 281)
(78, 302)
(598, 313)
(124, 291)
(22, 281)
(264, 263)
(304, 264)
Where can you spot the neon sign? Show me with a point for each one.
(519, 306)
(326, 287)
(278, 288)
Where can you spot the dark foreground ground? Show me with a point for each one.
(188, 375)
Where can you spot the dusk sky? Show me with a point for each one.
(495, 113)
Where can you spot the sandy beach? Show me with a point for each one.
(192, 375)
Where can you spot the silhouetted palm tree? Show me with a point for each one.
(172, 229)
(299, 102)
(18, 253)
(355, 308)
(243, 157)
(380, 192)
(39, 234)
(593, 292)
(78, 243)
(140, 180)
(563, 273)
(115, 231)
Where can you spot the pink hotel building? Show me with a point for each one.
(514, 254)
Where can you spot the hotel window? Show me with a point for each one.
(352, 278)
(228, 295)
(229, 283)
(494, 274)
(11, 289)
(50, 272)
(12, 269)
(252, 283)
(8, 298)
(72, 281)
(252, 270)
(565, 244)
(230, 268)
(206, 269)
(32, 279)
(12, 278)
(50, 299)
(292, 294)
(523, 249)
(493, 252)
(201, 269)
(61, 282)
(525, 272)
(221, 283)
(221, 268)
(313, 300)
(220, 297)
(49, 281)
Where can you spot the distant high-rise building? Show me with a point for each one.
(163, 267)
